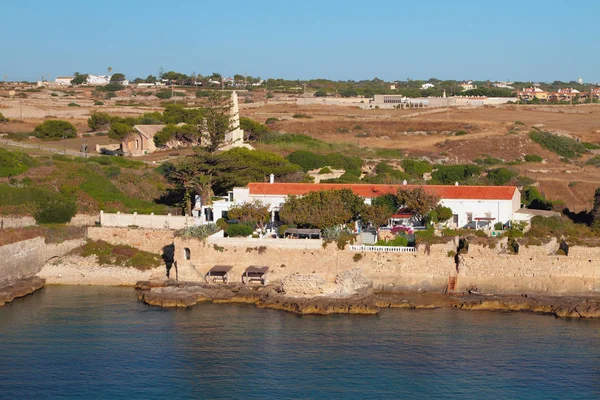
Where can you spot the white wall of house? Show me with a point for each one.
(501, 210)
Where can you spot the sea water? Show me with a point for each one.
(95, 342)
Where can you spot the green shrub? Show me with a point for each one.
(325, 170)
(271, 120)
(3, 118)
(235, 230)
(56, 212)
(163, 94)
(500, 176)
(449, 174)
(416, 168)
(253, 129)
(591, 146)
(281, 230)
(14, 162)
(301, 115)
(73, 105)
(55, 130)
(594, 161)
(99, 121)
(561, 145)
(399, 241)
(487, 161)
(519, 123)
(533, 158)
(98, 103)
(357, 257)
(460, 133)
(498, 226)
(54, 94)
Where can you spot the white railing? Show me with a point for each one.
(384, 249)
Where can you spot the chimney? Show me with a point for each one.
(455, 183)
(272, 178)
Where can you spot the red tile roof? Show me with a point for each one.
(371, 190)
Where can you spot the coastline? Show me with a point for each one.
(171, 294)
(176, 294)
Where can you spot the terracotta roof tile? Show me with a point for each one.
(371, 190)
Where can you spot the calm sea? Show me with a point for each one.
(91, 342)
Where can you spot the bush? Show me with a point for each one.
(498, 226)
(325, 170)
(449, 174)
(301, 115)
(357, 257)
(73, 105)
(3, 118)
(54, 94)
(533, 158)
(594, 161)
(500, 176)
(14, 162)
(57, 212)
(398, 241)
(591, 146)
(271, 120)
(99, 121)
(561, 145)
(253, 129)
(236, 230)
(460, 133)
(281, 230)
(55, 130)
(98, 103)
(416, 168)
(487, 161)
(163, 94)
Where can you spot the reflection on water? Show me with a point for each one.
(102, 343)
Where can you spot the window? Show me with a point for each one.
(469, 217)
(224, 215)
(455, 219)
(208, 213)
(230, 194)
(187, 253)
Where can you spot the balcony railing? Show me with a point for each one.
(384, 249)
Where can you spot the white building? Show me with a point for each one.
(470, 205)
(98, 80)
(426, 86)
(64, 80)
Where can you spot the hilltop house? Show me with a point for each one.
(471, 205)
(530, 93)
(141, 140)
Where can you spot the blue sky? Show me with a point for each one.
(499, 40)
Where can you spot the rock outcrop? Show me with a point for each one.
(19, 288)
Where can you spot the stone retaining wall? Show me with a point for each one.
(26, 258)
(151, 240)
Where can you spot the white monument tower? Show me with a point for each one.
(235, 138)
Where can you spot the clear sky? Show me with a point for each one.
(393, 40)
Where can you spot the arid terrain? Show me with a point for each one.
(500, 132)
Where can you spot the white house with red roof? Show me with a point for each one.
(470, 205)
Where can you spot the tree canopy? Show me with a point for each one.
(55, 130)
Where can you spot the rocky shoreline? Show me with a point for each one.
(172, 294)
(20, 288)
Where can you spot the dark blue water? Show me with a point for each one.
(90, 342)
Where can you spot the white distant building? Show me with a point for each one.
(426, 86)
(504, 85)
(467, 86)
(98, 80)
(64, 80)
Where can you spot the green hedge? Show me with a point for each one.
(235, 230)
(561, 145)
(55, 130)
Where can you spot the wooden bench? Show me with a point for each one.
(218, 271)
(255, 273)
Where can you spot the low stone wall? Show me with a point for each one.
(149, 240)
(26, 258)
(85, 220)
(16, 222)
(536, 269)
(147, 221)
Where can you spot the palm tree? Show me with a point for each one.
(109, 71)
